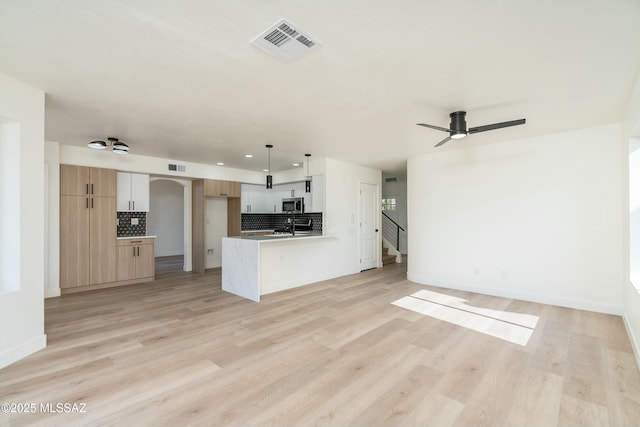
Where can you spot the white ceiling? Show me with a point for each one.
(180, 79)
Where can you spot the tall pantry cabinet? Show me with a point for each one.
(87, 226)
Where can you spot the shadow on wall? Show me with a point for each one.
(166, 217)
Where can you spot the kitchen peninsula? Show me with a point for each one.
(258, 265)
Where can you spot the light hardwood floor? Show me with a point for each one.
(179, 351)
(169, 263)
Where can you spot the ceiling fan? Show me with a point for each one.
(458, 127)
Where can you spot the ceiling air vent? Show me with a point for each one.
(285, 41)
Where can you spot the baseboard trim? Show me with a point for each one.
(632, 339)
(52, 292)
(525, 296)
(23, 350)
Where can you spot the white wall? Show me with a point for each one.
(397, 189)
(341, 214)
(9, 201)
(215, 230)
(165, 218)
(538, 219)
(22, 305)
(631, 218)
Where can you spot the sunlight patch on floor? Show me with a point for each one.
(513, 327)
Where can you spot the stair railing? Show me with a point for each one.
(391, 231)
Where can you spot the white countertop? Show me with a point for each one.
(136, 237)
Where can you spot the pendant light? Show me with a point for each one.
(307, 182)
(269, 177)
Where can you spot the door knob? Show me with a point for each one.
(376, 230)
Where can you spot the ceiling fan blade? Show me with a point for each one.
(496, 126)
(442, 142)
(433, 127)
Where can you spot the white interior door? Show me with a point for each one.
(368, 226)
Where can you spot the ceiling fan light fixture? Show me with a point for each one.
(98, 145)
(458, 127)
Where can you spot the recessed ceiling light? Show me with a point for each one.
(296, 164)
(248, 156)
(265, 170)
(220, 164)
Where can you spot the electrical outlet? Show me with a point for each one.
(134, 221)
(209, 251)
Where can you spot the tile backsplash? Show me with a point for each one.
(268, 221)
(127, 229)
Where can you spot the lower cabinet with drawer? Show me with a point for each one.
(135, 260)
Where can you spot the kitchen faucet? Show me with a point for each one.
(291, 219)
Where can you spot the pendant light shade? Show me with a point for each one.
(269, 177)
(120, 147)
(98, 145)
(307, 182)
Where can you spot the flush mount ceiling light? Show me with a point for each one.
(269, 177)
(118, 147)
(307, 181)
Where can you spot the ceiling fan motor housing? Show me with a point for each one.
(458, 126)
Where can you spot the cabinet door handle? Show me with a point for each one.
(223, 194)
(134, 205)
(91, 188)
(138, 250)
(86, 203)
(134, 250)
(92, 203)
(86, 190)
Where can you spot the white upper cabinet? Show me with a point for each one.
(133, 192)
(257, 199)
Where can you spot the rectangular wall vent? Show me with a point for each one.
(177, 168)
(394, 179)
(285, 41)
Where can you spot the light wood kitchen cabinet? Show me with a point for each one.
(136, 259)
(133, 192)
(87, 227)
(74, 245)
(102, 246)
(87, 181)
(219, 188)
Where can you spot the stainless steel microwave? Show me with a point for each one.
(294, 204)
